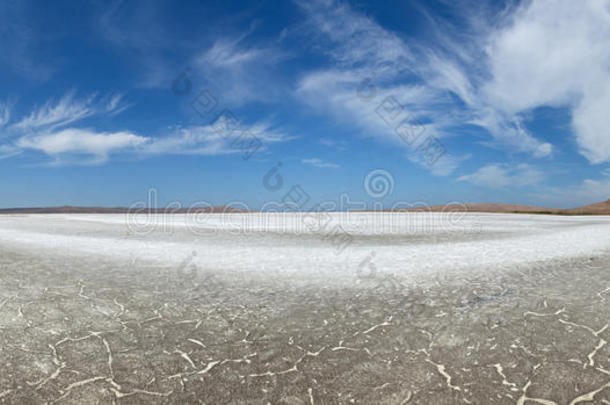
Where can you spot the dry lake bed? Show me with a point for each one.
(360, 308)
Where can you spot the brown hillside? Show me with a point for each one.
(601, 208)
(488, 207)
(116, 210)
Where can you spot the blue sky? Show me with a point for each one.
(455, 101)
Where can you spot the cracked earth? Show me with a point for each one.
(81, 330)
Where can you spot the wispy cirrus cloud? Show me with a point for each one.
(68, 109)
(138, 28)
(316, 162)
(457, 80)
(589, 190)
(51, 129)
(364, 54)
(227, 53)
(333, 143)
(337, 92)
(352, 38)
(213, 140)
(244, 72)
(222, 53)
(22, 43)
(8, 150)
(545, 53)
(499, 176)
(5, 112)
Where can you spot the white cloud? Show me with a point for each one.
(355, 38)
(315, 162)
(503, 176)
(333, 143)
(587, 192)
(49, 129)
(115, 105)
(492, 72)
(5, 113)
(66, 144)
(191, 140)
(347, 96)
(215, 139)
(226, 53)
(45, 129)
(61, 112)
(556, 53)
(371, 65)
(73, 141)
(444, 166)
(8, 151)
(590, 121)
(509, 131)
(241, 72)
(67, 110)
(336, 91)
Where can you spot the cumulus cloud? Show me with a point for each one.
(556, 53)
(503, 176)
(74, 141)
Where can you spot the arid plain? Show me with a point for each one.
(396, 308)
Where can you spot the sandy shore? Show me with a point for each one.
(79, 327)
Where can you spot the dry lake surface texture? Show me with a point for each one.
(361, 308)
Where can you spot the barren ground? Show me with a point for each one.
(90, 330)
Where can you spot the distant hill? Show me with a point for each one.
(601, 208)
(488, 207)
(117, 210)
